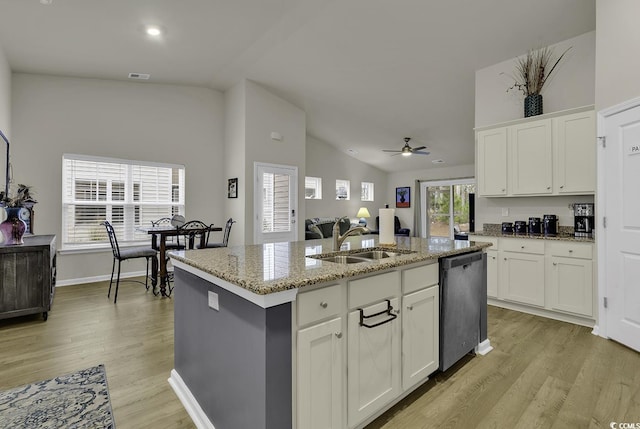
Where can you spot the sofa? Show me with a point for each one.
(315, 228)
(397, 229)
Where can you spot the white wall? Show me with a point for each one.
(265, 113)
(140, 121)
(408, 178)
(234, 159)
(617, 43)
(330, 164)
(5, 114)
(571, 85)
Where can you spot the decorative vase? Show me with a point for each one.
(13, 228)
(533, 105)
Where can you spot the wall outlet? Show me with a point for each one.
(213, 301)
(505, 211)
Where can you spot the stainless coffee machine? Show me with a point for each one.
(583, 218)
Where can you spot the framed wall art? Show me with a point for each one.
(403, 197)
(233, 188)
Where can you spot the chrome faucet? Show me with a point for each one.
(339, 239)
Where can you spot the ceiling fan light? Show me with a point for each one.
(406, 153)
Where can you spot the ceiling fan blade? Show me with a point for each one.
(419, 148)
(389, 150)
(421, 153)
(396, 154)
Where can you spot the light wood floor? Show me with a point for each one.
(541, 373)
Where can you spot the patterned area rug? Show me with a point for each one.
(78, 400)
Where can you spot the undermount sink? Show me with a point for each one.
(343, 259)
(363, 256)
(376, 254)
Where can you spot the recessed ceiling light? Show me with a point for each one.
(438, 161)
(154, 30)
(352, 151)
(46, 2)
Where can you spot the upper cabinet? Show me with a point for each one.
(575, 153)
(554, 155)
(492, 162)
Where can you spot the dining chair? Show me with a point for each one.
(225, 237)
(171, 243)
(130, 253)
(192, 229)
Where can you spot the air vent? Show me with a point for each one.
(139, 76)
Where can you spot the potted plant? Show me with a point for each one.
(13, 227)
(531, 74)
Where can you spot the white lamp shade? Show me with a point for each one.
(363, 212)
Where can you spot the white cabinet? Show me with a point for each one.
(550, 155)
(320, 375)
(420, 327)
(373, 359)
(492, 273)
(570, 278)
(531, 158)
(492, 162)
(575, 153)
(522, 271)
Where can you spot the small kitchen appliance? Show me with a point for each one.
(507, 227)
(535, 226)
(583, 218)
(550, 225)
(520, 227)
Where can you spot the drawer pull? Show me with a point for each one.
(338, 335)
(522, 247)
(555, 263)
(409, 307)
(570, 251)
(324, 304)
(388, 311)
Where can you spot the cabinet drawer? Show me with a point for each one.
(492, 240)
(571, 250)
(372, 289)
(418, 278)
(318, 304)
(523, 245)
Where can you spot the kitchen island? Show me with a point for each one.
(264, 334)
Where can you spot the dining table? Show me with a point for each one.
(159, 236)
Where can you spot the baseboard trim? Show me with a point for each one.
(189, 403)
(96, 279)
(576, 320)
(484, 347)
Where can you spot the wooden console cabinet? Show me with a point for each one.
(28, 276)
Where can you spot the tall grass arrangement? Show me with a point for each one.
(532, 71)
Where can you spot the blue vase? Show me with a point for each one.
(13, 228)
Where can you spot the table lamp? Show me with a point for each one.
(362, 214)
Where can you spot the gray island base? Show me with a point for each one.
(264, 333)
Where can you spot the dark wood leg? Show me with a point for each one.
(163, 265)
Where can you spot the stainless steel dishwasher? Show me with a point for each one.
(463, 306)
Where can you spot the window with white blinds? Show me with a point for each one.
(126, 193)
(276, 210)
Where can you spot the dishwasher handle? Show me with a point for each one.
(387, 311)
(456, 261)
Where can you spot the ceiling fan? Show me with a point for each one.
(408, 150)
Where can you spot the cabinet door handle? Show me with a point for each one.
(338, 335)
(548, 187)
(493, 257)
(505, 259)
(570, 251)
(324, 304)
(561, 186)
(522, 247)
(503, 189)
(555, 263)
(409, 307)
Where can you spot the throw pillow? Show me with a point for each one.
(314, 228)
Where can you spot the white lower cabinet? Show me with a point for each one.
(492, 273)
(522, 278)
(420, 330)
(571, 285)
(373, 360)
(320, 376)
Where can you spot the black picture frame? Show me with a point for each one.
(403, 197)
(232, 191)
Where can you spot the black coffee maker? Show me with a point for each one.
(583, 216)
(550, 225)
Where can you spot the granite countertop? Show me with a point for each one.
(269, 268)
(560, 237)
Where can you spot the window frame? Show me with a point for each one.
(128, 207)
(347, 186)
(371, 187)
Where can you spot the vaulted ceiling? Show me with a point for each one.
(366, 72)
